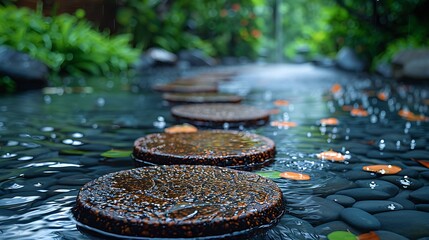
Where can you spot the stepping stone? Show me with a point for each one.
(201, 98)
(179, 201)
(360, 219)
(408, 223)
(185, 88)
(376, 206)
(211, 147)
(220, 115)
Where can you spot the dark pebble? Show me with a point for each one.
(359, 174)
(379, 154)
(409, 172)
(327, 228)
(425, 175)
(364, 194)
(377, 206)
(423, 207)
(315, 210)
(379, 185)
(408, 223)
(403, 182)
(360, 219)
(94, 147)
(333, 185)
(420, 195)
(344, 200)
(386, 235)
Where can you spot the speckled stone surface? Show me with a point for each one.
(218, 114)
(201, 98)
(210, 147)
(179, 201)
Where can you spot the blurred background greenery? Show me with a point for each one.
(96, 37)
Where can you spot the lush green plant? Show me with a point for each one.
(7, 85)
(219, 28)
(66, 43)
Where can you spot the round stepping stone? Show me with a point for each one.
(360, 219)
(220, 115)
(185, 88)
(376, 206)
(408, 223)
(201, 98)
(179, 201)
(211, 147)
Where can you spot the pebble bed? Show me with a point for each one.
(52, 144)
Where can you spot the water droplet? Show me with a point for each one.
(101, 102)
(77, 135)
(225, 126)
(412, 144)
(308, 134)
(372, 184)
(15, 186)
(47, 99)
(381, 145)
(68, 141)
(77, 143)
(391, 206)
(398, 145)
(12, 143)
(160, 122)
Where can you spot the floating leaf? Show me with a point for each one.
(184, 128)
(269, 174)
(410, 116)
(424, 163)
(295, 176)
(283, 124)
(115, 153)
(382, 169)
(341, 235)
(368, 236)
(382, 96)
(358, 112)
(336, 88)
(332, 156)
(72, 152)
(281, 102)
(329, 121)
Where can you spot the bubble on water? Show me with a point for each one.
(398, 145)
(382, 114)
(225, 126)
(160, 122)
(391, 206)
(68, 141)
(373, 119)
(373, 185)
(47, 99)
(322, 130)
(77, 143)
(241, 127)
(268, 95)
(308, 134)
(405, 182)
(285, 116)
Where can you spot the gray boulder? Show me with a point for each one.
(347, 59)
(195, 57)
(27, 72)
(411, 64)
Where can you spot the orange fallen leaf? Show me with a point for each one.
(382, 169)
(424, 163)
(336, 88)
(329, 121)
(358, 112)
(283, 124)
(295, 176)
(382, 96)
(368, 236)
(410, 116)
(332, 156)
(185, 128)
(281, 102)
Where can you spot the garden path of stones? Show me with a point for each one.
(391, 128)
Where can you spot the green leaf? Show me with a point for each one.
(115, 153)
(269, 174)
(341, 235)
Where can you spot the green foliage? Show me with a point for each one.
(67, 44)
(7, 85)
(219, 28)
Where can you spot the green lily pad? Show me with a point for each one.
(341, 235)
(115, 153)
(72, 152)
(269, 174)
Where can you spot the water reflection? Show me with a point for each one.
(51, 144)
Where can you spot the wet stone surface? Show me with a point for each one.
(179, 201)
(51, 144)
(216, 147)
